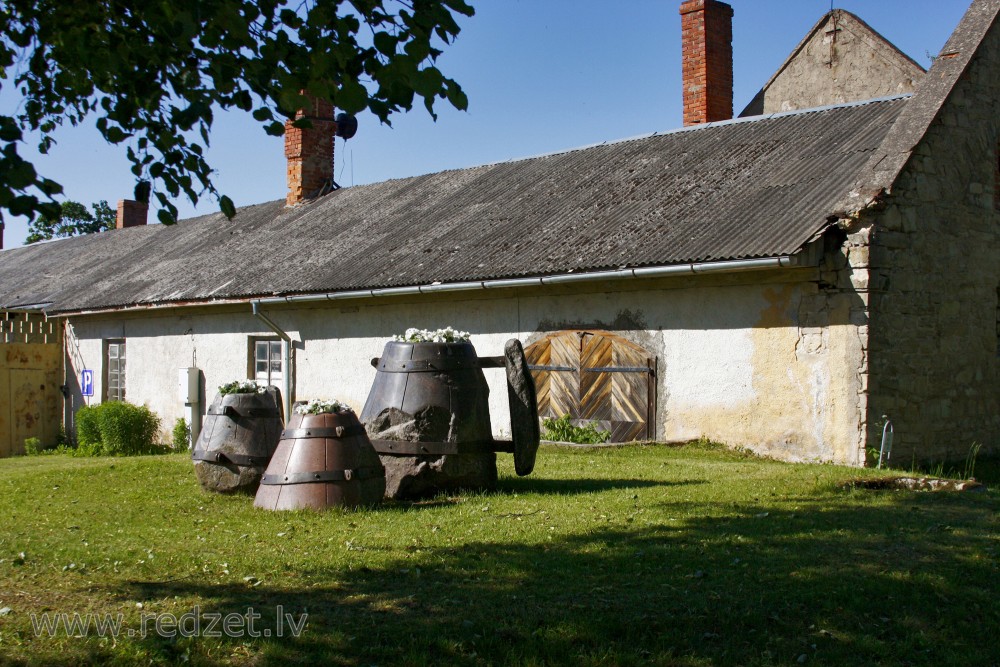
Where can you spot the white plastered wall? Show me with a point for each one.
(735, 363)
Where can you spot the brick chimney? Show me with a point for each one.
(309, 152)
(131, 214)
(707, 61)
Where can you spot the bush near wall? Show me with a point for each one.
(117, 428)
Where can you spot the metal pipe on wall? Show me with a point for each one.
(286, 359)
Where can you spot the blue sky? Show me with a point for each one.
(541, 76)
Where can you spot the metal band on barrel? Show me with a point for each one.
(427, 365)
(416, 448)
(224, 458)
(322, 476)
(324, 432)
(234, 413)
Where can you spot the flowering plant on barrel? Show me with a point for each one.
(446, 335)
(318, 406)
(241, 387)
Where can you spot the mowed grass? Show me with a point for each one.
(618, 556)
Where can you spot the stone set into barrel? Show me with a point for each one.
(239, 436)
(322, 461)
(428, 417)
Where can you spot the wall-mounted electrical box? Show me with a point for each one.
(189, 385)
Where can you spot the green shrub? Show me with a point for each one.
(33, 447)
(181, 434)
(561, 430)
(117, 428)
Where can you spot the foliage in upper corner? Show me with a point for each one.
(154, 72)
(73, 219)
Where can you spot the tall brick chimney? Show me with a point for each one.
(707, 60)
(131, 214)
(309, 152)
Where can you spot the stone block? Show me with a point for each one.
(894, 239)
(891, 219)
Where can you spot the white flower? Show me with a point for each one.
(318, 406)
(241, 387)
(446, 335)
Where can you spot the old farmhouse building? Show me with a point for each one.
(778, 282)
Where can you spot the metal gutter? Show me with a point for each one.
(286, 359)
(726, 266)
(731, 266)
(30, 308)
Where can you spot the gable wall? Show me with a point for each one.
(754, 360)
(857, 65)
(935, 370)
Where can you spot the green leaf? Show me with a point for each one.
(115, 135)
(456, 96)
(141, 191)
(385, 43)
(352, 97)
(428, 82)
(262, 114)
(275, 129)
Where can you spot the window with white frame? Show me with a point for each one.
(265, 360)
(114, 370)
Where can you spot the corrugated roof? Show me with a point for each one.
(757, 187)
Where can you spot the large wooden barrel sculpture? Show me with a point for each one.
(239, 435)
(322, 461)
(428, 417)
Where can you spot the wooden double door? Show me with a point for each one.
(596, 377)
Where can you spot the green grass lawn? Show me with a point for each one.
(616, 556)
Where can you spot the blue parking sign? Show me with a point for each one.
(87, 382)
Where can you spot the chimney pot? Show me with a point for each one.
(707, 61)
(131, 214)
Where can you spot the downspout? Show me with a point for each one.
(286, 359)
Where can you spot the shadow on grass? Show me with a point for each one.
(530, 484)
(517, 485)
(843, 584)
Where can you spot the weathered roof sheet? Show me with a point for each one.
(750, 188)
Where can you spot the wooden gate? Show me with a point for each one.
(596, 377)
(30, 375)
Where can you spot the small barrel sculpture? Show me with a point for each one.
(240, 433)
(322, 461)
(428, 417)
